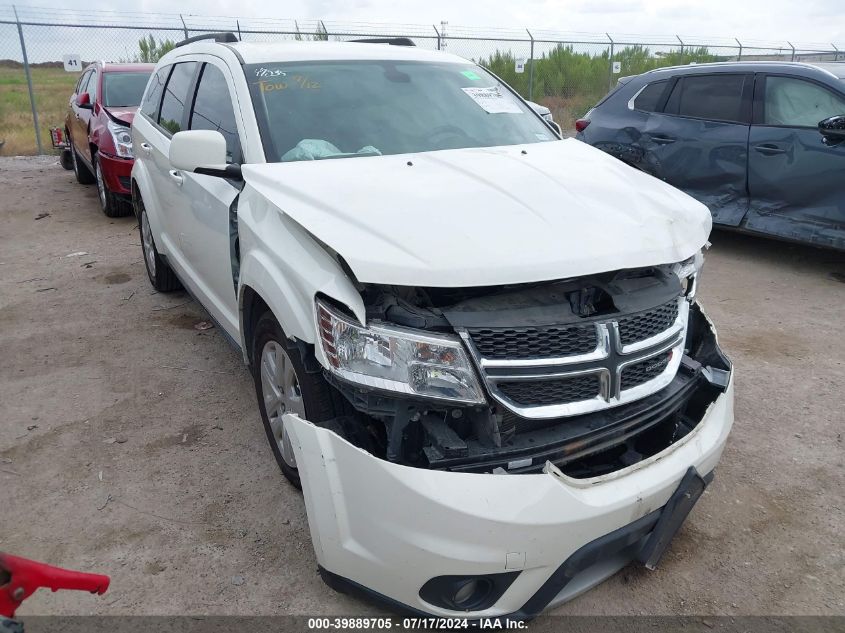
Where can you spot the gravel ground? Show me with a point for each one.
(130, 441)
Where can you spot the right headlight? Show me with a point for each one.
(397, 359)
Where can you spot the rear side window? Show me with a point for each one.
(175, 96)
(213, 110)
(649, 98)
(713, 97)
(152, 98)
(798, 103)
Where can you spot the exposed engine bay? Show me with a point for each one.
(592, 374)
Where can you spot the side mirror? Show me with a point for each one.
(833, 128)
(202, 152)
(84, 101)
(555, 127)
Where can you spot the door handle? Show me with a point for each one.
(768, 149)
(176, 176)
(662, 140)
(146, 147)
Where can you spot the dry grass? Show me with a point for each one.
(53, 88)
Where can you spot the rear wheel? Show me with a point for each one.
(284, 386)
(161, 275)
(110, 203)
(66, 159)
(82, 173)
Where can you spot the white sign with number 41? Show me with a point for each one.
(73, 63)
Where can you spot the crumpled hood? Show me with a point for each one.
(488, 216)
(124, 114)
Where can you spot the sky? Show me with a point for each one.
(807, 21)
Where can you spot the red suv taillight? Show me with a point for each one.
(581, 124)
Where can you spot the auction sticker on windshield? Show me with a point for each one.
(493, 100)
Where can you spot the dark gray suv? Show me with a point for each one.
(762, 144)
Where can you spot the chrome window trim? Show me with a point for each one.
(634, 98)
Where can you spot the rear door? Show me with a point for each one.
(795, 179)
(171, 118)
(699, 142)
(207, 221)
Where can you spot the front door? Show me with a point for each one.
(796, 180)
(209, 224)
(699, 143)
(82, 117)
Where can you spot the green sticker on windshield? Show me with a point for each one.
(470, 74)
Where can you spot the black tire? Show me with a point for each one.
(319, 400)
(66, 159)
(160, 274)
(111, 204)
(82, 173)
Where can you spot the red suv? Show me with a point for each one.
(97, 125)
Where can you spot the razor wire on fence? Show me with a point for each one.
(566, 72)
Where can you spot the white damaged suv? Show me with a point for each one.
(475, 346)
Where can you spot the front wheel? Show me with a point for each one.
(283, 386)
(111, 204)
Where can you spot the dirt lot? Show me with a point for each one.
(130, 441)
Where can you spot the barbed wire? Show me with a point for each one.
(43, 15)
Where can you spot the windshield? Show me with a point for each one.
(124, 89)
(319, 110)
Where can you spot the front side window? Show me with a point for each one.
(175, 96)
(213, 110)
(92, 86)
(80, 85)
(797, 103)
(152, 98)
(83, 83)
(123, 89)
(317, 110)
(649, 98)
(712, 97)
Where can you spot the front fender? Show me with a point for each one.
(287, 268)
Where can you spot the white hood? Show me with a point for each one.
(483, 217)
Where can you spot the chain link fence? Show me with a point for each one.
(567, 72)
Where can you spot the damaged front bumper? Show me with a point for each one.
(509, 544)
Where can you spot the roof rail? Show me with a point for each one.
(225, 38)
(393, 41)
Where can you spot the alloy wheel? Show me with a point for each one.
(281, 394)
(147, 244)
(101, 185)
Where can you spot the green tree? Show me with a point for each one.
(150, 50)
